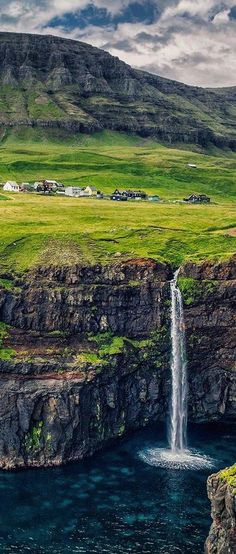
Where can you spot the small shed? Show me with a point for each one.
(154, 198)
(11, 186)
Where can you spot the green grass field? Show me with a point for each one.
(56, 230)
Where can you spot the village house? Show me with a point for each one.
(11, 186)
(131, 194)
(197, 198)
(50, 184)
(25, 187)
(83, 193)
(37, 185)
(73, 191)
(47, 186)
(118, 196)
(90, 191)
(61, 189)
(136, 194)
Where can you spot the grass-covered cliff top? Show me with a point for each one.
(229, 475)
(62, 231)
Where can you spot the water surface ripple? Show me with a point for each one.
(115, 503)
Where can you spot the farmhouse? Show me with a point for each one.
(136, 194)
(84, 193)
(37, 185)
(90, 191)
(11, 186)
(73, 191)
(131, 194)
(197, 198)
(26, 187)
(118, 196)
(50, 184)
(60, 188)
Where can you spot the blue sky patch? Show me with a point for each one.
(136, 12)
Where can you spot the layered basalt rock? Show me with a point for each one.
(85, 355)
(126, 299)
(62, 397)
(221, 489)
(209, 292)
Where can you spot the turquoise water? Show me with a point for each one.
(115, 503)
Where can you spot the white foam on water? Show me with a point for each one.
(180, 459)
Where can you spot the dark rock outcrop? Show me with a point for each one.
(126, 299)
(85, 355)
(73, 86)
(221, 489)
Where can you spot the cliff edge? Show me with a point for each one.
(221, 488)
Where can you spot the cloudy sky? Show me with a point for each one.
(193, 41)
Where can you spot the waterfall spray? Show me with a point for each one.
(178, 419)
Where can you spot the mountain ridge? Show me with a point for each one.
(49, 81)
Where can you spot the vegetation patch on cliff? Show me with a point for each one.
(108, 344)
(194, 291)
(229, 475)
(33, 438)
(6, 354)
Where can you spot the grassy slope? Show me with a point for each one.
(36, 229)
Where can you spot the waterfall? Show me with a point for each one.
(177, 456)
(178, 416)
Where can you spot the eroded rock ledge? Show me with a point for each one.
(221, 489)
(84, 355)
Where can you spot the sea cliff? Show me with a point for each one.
(221, 489)
(85, 351)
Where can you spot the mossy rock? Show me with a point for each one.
(193, 290)
(228, 475)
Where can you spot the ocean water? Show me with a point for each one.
(122, 501)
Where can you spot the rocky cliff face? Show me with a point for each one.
(209, 293)
(85, 352)
(221, 489)
(53, 82)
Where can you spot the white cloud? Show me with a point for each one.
(192, 41)
(222, 17)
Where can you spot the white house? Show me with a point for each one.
(51, 183)
(84, 193)
(37, 184)
(11, 186)
(90, 191)
(73, 191)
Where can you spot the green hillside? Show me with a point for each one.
(39, 229)
(51, 82)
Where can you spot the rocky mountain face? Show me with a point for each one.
(53, 82)
(85, 352)
(221, 489)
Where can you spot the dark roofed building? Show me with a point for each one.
(198, 198)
